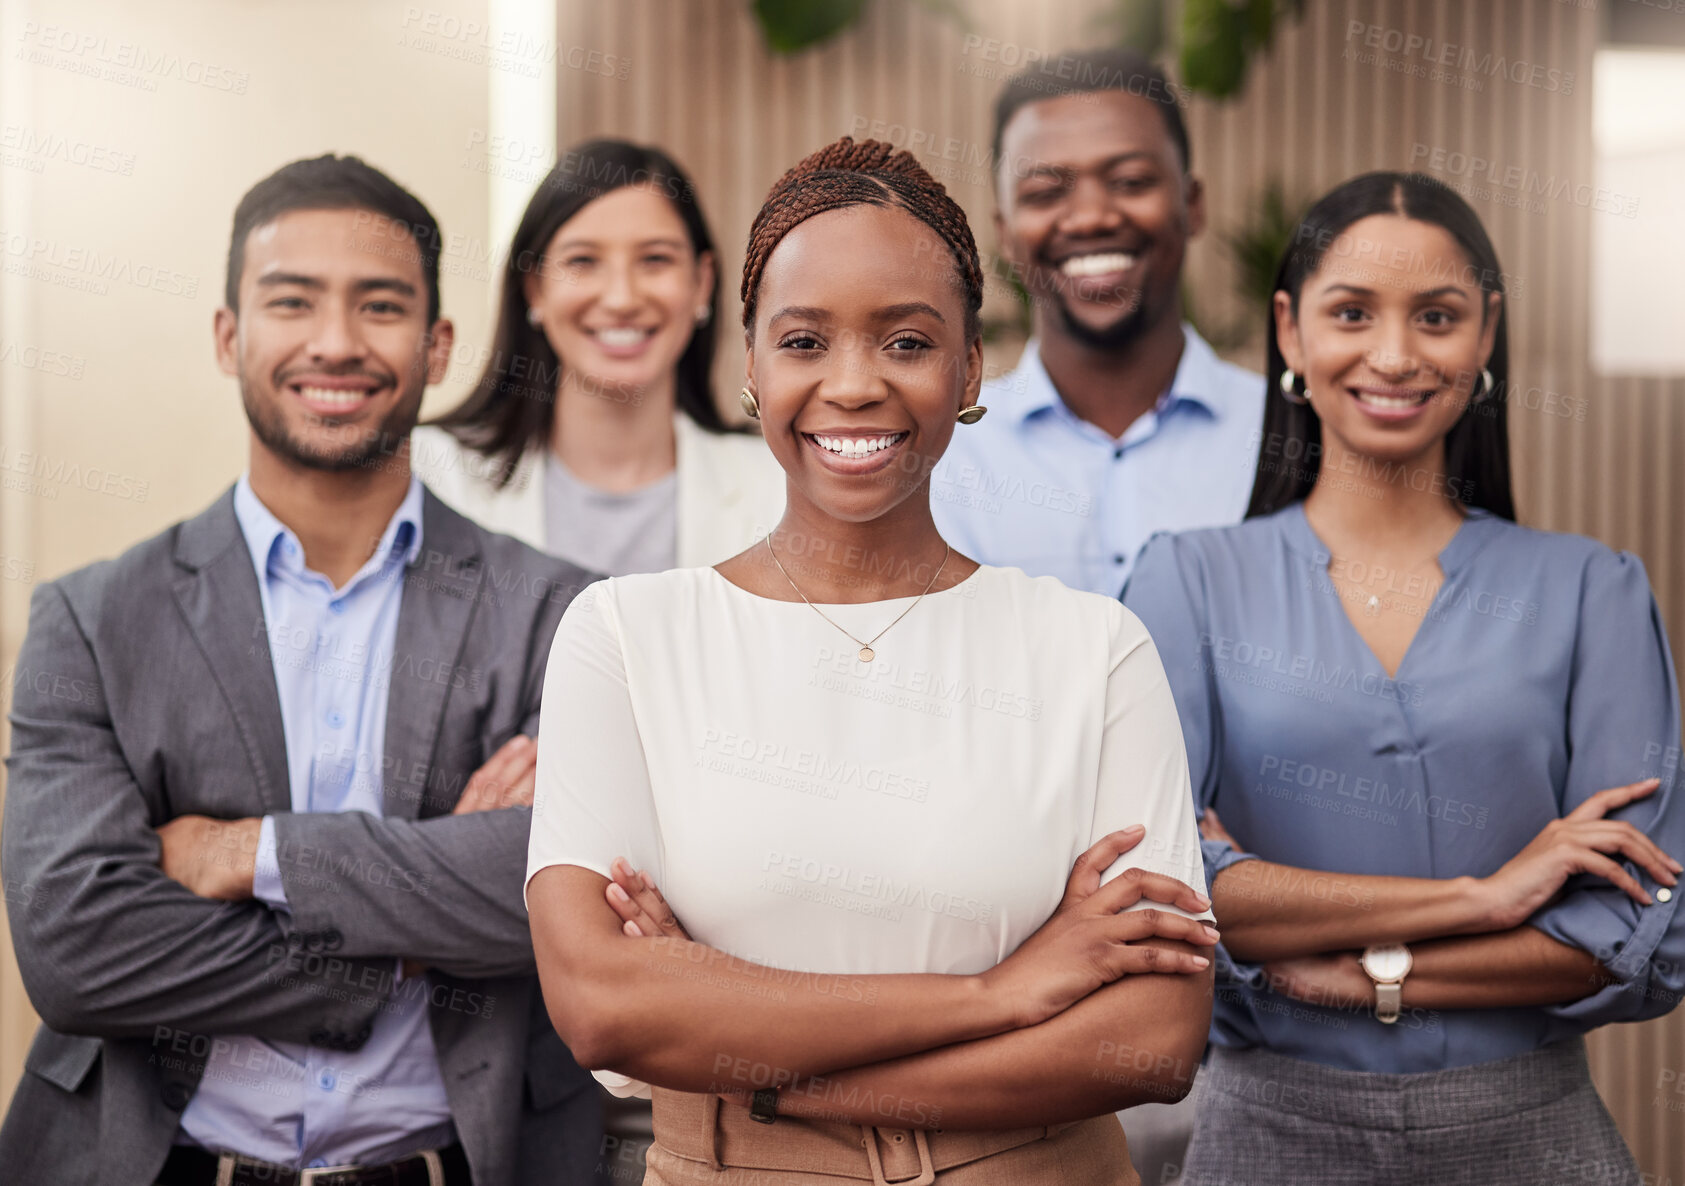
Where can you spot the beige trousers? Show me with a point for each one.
(698, 1140)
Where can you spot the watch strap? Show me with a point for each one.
(1388, 999)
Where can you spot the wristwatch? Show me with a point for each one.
(1387, 964)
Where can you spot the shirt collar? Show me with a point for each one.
(273, 544)
(1027, 389)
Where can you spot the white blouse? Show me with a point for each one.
(806, 811)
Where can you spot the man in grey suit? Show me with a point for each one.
(268, 773)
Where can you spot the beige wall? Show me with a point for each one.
(1312, 114)
(123, 381)
(142, 167)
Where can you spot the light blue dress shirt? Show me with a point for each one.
(1033, 486)
(332, 652)
(1540, 676)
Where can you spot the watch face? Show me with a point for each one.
(1386, 963)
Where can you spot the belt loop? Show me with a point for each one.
(435, 1167)
(927, 1167)
(711, 1121)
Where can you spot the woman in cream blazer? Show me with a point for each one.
(595, 394)
(730, 489)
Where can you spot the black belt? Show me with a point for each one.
(189, 1165)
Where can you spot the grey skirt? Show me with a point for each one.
(1531, 1120)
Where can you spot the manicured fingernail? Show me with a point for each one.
(522, 741)
(644, 877)
(618, 894)
(631, 928)
(1200, 961)
(1135, 828)
(1204, 902)
(1213, 932)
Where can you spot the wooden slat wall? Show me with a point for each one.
(702, 84)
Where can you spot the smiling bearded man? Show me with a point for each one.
(1119, 420)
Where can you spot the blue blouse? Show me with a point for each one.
(1540, 675)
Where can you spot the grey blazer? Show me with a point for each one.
(144, 691)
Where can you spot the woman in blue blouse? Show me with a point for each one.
(1436, 752)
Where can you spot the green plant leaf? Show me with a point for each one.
(1215, 45)
(1257, 246)
(791, 26)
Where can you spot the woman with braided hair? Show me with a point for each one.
(885, 789)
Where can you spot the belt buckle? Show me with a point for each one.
(429, 1157)
(927, 1168)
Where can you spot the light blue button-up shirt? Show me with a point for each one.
(1033, 486)
(1540, 676)
(332, 654)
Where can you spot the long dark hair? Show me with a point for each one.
(1477, 447)
(513, 405)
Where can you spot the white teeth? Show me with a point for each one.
(332, 395)
(857, 446)
(1387, 401)
(1097, 265)
(627, 336)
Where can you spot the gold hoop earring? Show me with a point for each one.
(751, 409)
(1289, 390)
(972, 414)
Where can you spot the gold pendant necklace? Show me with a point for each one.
(867, 654)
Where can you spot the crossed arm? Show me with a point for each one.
(395, 869)
(107, 944)
(1472, 947)
(923, 1051)
(121, 928)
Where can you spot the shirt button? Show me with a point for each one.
(1664, 894)
(325, 1079)
(338, 607)
(336, 719)
(1117, 453)
(1120, 558)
